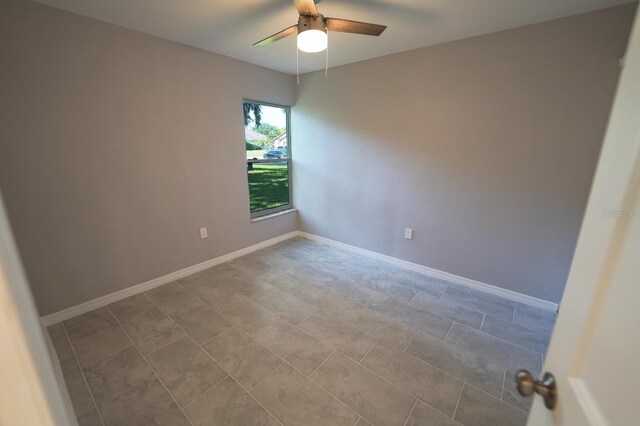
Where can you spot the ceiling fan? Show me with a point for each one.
(312, 28)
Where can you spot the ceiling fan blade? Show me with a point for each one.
(306, 7)
(278, 36)
(355, 27)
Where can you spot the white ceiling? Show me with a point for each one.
(230, 27)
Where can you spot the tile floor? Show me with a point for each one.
(302, 334)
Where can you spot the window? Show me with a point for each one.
(267, 144)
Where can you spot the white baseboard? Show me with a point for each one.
(435, 273)
(156, 282)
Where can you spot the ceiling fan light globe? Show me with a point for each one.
(312, 41)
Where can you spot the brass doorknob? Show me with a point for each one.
(546, 387)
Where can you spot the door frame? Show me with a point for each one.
(31, 393)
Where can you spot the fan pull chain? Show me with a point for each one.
(326, 55)
(297, 67)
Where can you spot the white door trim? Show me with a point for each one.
(31, 394)
(593, 415)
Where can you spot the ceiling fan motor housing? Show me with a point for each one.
(311, 23)
(312, 28)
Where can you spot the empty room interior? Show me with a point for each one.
(276, 212)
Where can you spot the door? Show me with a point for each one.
(595, 348)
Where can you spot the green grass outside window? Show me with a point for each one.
(268, 186)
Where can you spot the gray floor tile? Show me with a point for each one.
(516, 334)
(210, 275)
(250, 264)
(199, 320)
(69, 365)
(438, 389)
(245, 313)
(152, 330)
(311, 250)
(185, 369)
(338, 334)
(458, 287)
(261, 255)
(423, 415)
(421, 282)
(292, 344)
(251, 284)
(305, 252)
(328, 292)
(87, 316)
(213, 293)
(197, 276)
(274, 257)
(326, 300)
(535, 319)
(96, 340)
(493, 348)
(379, 325)
(489, 296)
(209, 286)
(78, 392)
(90, 418)
(377, 271)
(162, 411)
(491, 307)
(170, 296)
(354, 292)
(220, 271)
(309, 273)
(478, 408)
(284, 263)
(128, 308)
(388, 286)
(242, 357)
(447, 309)
(284, 304)
(294, 400)
(374, 266)
(60, 341)
(228, 404)
(369, 395)
(414, 317)
(281, 280)
(463, 364)
(122, 383)
(56, 330)
(344, 268)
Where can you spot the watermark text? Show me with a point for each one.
(621, 213)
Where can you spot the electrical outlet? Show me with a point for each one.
(408, 233)
(203, 233)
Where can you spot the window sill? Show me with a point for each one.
(272, 215)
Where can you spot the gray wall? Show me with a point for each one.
(116, 147)
(485, 146)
